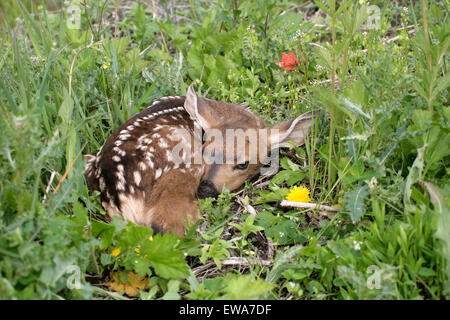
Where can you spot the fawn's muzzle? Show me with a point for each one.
(207, 190)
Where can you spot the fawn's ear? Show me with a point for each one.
(291, 130)
(200, 110)
(88, 157)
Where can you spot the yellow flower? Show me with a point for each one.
(106, 65)
(298, 194)
(150, 238)
(137, 250)
(115, 252)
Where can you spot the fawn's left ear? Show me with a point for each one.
(200, 110)
(88, 157)
(291, 130)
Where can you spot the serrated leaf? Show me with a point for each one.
(166, 260)
(354, 108)
(354, 202)
(281, 263)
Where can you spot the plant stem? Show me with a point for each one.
(116, 18)
(333, 80)
(427, 47)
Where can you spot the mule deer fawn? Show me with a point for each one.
(139, 173)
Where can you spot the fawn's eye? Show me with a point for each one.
(242, 166)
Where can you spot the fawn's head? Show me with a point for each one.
(236, 141)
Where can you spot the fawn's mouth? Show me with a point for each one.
(207, 190)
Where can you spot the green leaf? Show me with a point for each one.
(268, 196)
(287, 164)
(322, 6)
(354, 202)
(281, 263)
(167, 261)
(245, 288)
(414, 175)
(80, 214)
(66, 108)
(105, 231)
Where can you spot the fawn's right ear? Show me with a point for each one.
(200, 110)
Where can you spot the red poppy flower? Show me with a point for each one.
(288, 61)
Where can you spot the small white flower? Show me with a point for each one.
(357, 244)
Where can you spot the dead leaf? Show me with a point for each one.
(132, 286)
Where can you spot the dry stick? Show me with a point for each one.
(47, 190)
(232, 261)
(398, 37)
(305, 205)
(68, 170)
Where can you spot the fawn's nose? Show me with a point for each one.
(207, 190)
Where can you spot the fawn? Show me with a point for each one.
(153, 167)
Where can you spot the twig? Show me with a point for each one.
(52, 176)
(233, 261)
(398, 37)
(305, 205)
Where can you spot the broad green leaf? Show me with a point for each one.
(354, 202)
(245, 288)
(167, 261)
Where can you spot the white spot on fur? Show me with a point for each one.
(137, 177)
(124, 137)
(142, 147)
(142, 166)
(116, 159)
(102, 184)
(162, 143)
(158, 173)
(120, 186)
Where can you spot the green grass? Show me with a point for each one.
(385, 164)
